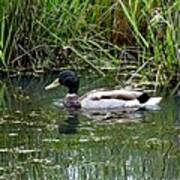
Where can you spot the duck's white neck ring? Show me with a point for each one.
(71, 95)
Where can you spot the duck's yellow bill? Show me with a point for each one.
(53, 85)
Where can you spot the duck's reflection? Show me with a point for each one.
(70, 125)
(128, 115)
(116, 115)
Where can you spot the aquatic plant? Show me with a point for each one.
(138, 40)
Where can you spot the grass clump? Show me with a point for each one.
(98, 35)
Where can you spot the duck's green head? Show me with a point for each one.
(67, 78)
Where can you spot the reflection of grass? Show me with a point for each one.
(31, 141)
(11, 96)
(3, 91)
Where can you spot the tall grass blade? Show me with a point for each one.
(133, 23)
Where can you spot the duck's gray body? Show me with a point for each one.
(94, 101)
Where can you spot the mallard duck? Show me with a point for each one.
(100, 99)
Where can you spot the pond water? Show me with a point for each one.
(41, 141)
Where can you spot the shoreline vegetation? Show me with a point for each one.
(138, 41)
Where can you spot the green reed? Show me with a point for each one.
(91, 34)
(160, 36)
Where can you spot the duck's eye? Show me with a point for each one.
(61, 82)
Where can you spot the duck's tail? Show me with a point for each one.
(153, 101)
(143, 98)
(146, 100)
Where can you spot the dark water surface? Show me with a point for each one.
(41, 141)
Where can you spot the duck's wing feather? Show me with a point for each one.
(113, 94)
(92, 93)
